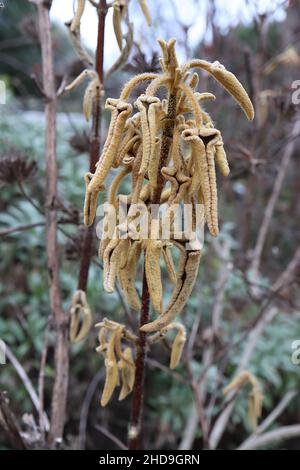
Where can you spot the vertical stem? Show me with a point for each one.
(94, 146)
(10, 425)
(59, 393)
(135, 427)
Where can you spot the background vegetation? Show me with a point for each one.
(236, 287)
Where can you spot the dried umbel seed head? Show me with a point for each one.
(169, 149)
(15, 166)
(80, 142)
(255, 396)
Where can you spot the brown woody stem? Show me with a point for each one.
(60, 387)
(94, 146)
(135, 427)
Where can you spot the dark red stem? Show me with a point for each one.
(95, 140)
(135, 428)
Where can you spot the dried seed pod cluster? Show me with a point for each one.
(169, 148)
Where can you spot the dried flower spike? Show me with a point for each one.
(127, 367)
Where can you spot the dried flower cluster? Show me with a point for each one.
(81, 317)
(169, 147)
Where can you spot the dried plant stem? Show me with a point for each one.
(135, 427)
(134, 433)
(41, 385)
(59, 393)
(95, 139)
(27, 383)
(10, 424)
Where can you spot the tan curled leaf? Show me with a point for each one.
(153, 273)
(117, 24)
(120, 112)
(153, 165)
(102, 340)
(127, 276)
(112, 372)
(91, 197)
(167, 254)
(75, 24)
(228, 80)
(221, 158)
(204, 170)
(92, 93)
(178, 345)
(255, 396)
(148, 107)
(182, 292)
(127, 367)
(234, 87)
(116, 259)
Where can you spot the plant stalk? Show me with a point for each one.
(136, 425)
(61, 350)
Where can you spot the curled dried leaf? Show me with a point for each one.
(81, 317)
(185, 283)
(178, 345)
(127, 368)
(167, 254)
(112, 372)
(145, 10)
(75, 24)
(117, 23)
(229, 81)
(221, 158)
(127, 276)
(255, 396)
(153, 273)
(95, 182)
